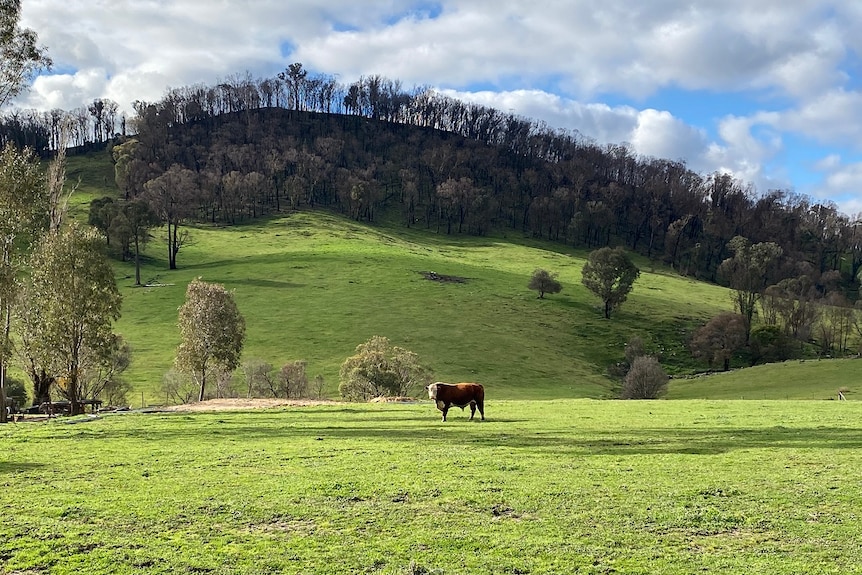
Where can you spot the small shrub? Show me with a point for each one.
(635, 348)
(259, 378)
(381, 369)
(178, 387)
(16, 391)
(116, 392)
(645, 380)
(544, 282)
(292, 380)
(317, 387)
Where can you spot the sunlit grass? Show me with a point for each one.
(540, 487)
(313, 286)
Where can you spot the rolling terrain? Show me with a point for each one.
(313, 285)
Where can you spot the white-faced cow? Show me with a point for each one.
(458, 394)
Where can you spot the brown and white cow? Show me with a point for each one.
(458, 394)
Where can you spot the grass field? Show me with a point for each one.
(571, 486)
(809, 379)
(314, 286)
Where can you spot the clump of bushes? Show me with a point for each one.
(380, 369)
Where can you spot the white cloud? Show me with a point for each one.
(841, 183)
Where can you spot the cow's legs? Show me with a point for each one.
(472, 409)
(445, 410)
(481, 406)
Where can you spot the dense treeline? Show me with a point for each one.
(79, 129)
(246, 148)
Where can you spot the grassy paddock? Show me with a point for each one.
(795, 379)
(313, 286)
(572, 486)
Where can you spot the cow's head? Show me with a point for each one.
(432, 391)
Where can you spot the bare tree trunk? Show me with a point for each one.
(203, 384)
(3, 413)
(137, 262)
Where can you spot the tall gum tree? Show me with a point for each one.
(212, 332)
(748, 272)
(20, 58)
(23, 211)
(172, 196)
(73, 302)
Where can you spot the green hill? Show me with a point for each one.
(796, 379)
(313, 286)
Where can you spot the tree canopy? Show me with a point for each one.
(610, 274)
(748, 272)
(20, 55)
(544, 282)
(212, 332)
(381, 369)
(719, 339)
(72, 302)
(23, 207)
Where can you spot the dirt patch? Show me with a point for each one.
(434, 276)
(235, 404)
(396, 399)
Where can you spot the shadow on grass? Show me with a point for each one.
(261, 283)
(460, 432)
(13, 467)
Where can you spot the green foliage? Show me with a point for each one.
(312, 284)
(20, 55)
(102, 212)
(212, 332)
(23, 210)
(72, 302)
(633, 487)
(380, 369)
(16, 390)
(544, 282)
(610, 274)
(645, 379)
(770, 343)
(748, 272)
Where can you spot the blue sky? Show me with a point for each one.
(768, 90)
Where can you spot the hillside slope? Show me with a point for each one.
(313, 286)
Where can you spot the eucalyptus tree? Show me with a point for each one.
(138, 218)
(72, 302)
(748, 272)
(20, 55)
(609, 274)
(20, 182)
(212, 333)
(23, 206)
(172, 196)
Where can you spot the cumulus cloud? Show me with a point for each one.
(841, 183)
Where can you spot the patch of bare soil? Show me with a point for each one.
(395, 399)
(235, 404)
(435, 277)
